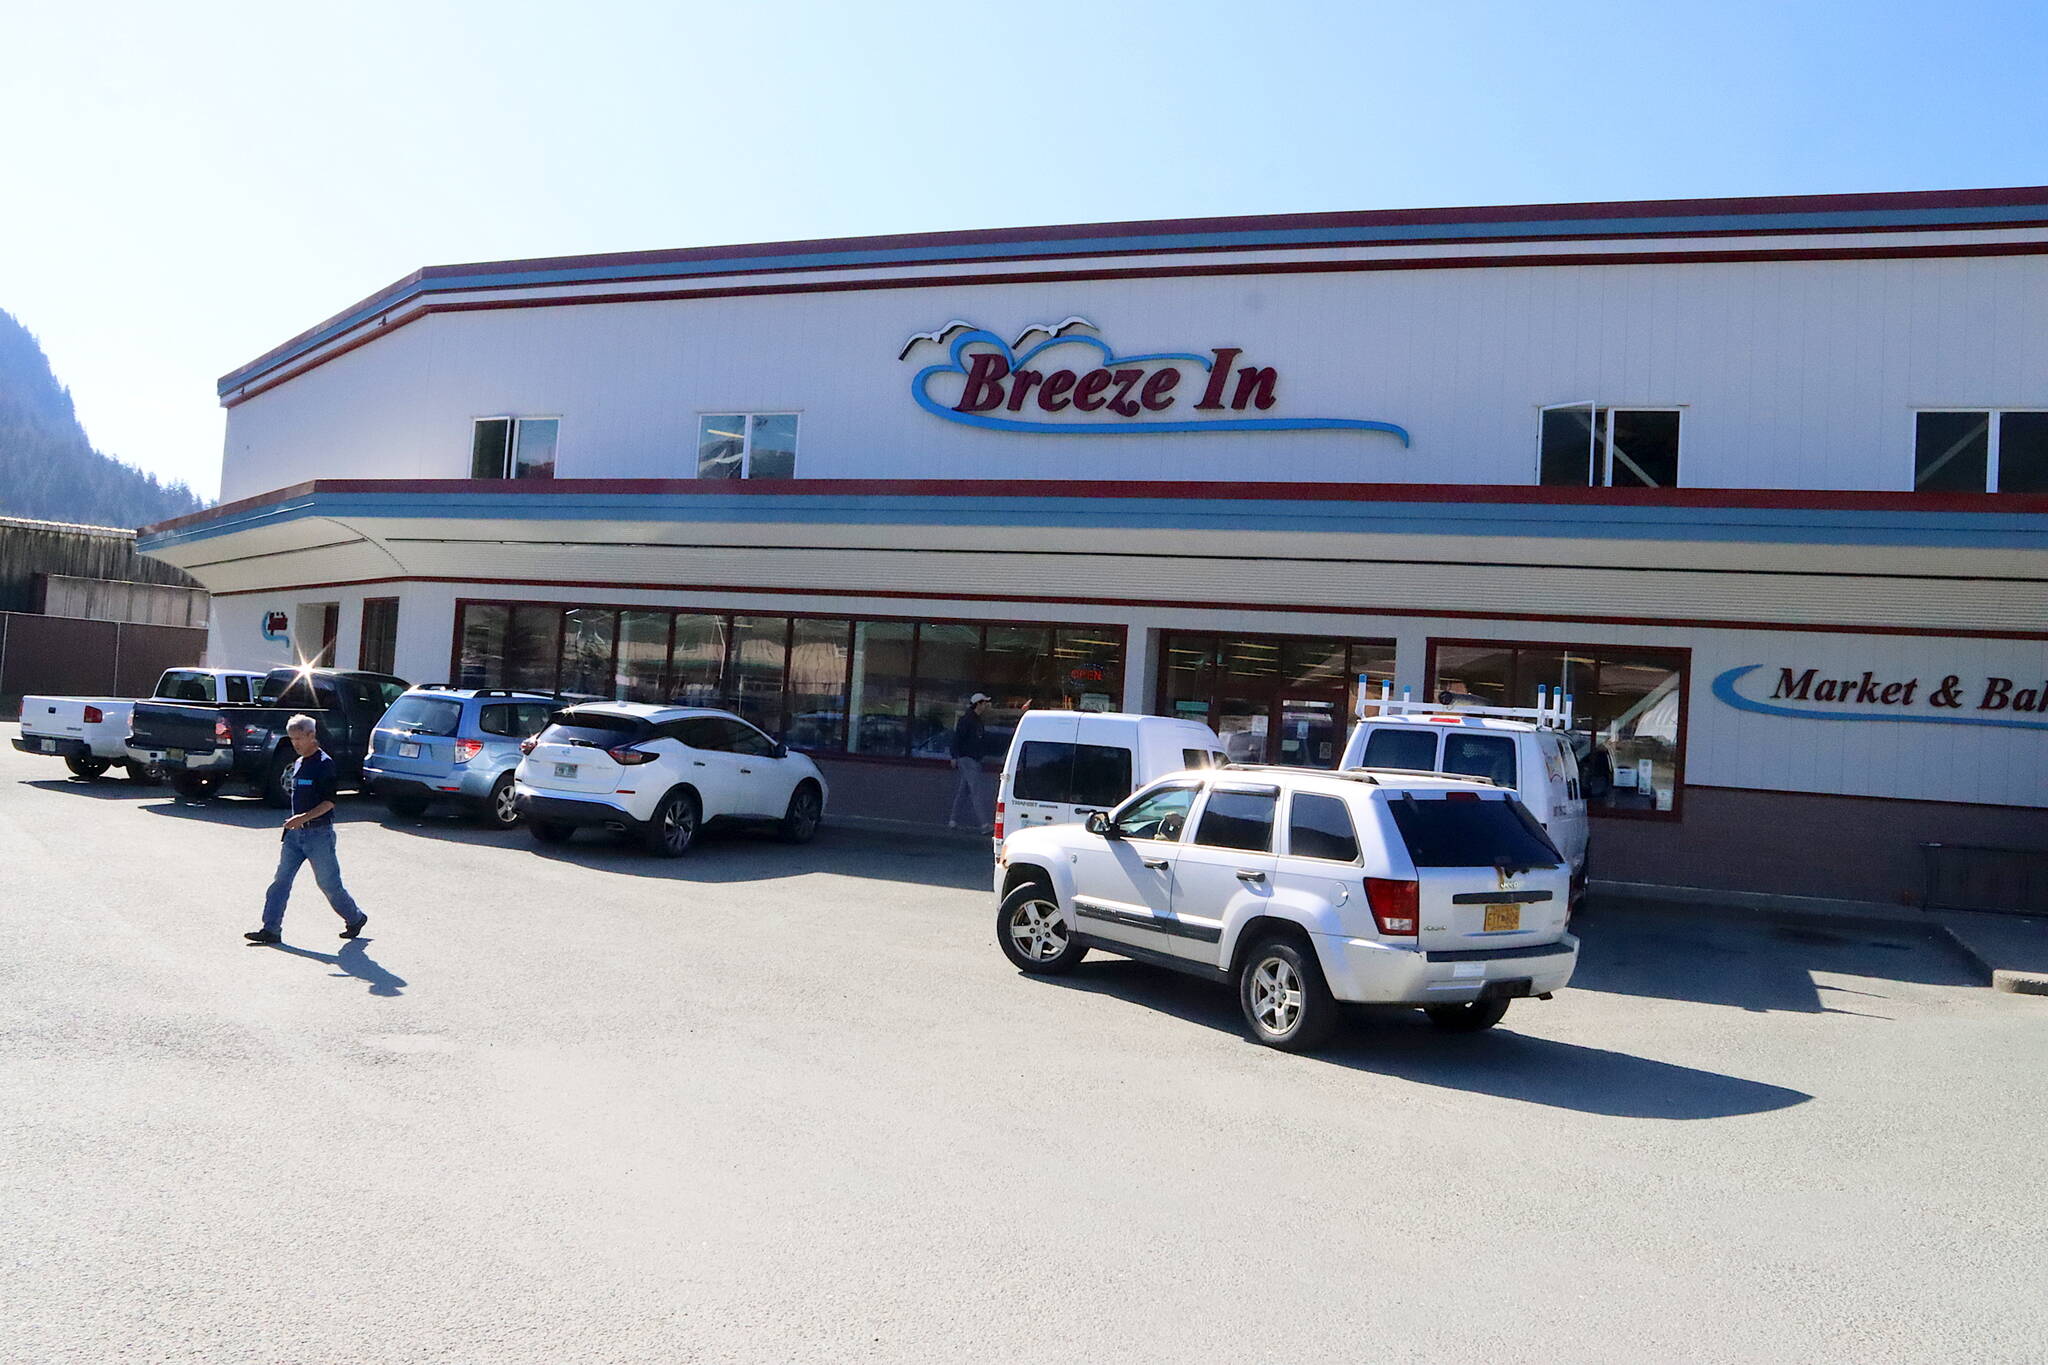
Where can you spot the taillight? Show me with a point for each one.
(1461, 796)
(628, 756)
(93, 715)
(221, 733)
(1395, 905)
(999, 822)
(526, 745)
(466, 749)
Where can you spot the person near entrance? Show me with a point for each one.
(308, 838)
(970, 747)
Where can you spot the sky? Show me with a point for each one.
(185, 186)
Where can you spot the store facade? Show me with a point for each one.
(1762, 484)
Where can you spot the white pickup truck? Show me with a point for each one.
(91, 733)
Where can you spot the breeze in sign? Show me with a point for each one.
(1948, 700)
(1071, 383)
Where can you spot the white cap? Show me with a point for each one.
(978, 698)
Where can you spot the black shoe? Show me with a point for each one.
(355, 928)
(262, 936)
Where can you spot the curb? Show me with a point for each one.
(2017, 983)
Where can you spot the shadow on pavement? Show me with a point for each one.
(104, 788)
(354, 961)
(1499, 1062)
(738, 853)
(1751, 961)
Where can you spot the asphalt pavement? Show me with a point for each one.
(775, 1104)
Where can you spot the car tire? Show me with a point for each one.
(88, 768)
(276, 789)
(1470, 1017)
(143, 774)
(1034, 934)
(674, 826)
(1284, 997)
(500, 810)
(806, 810)
(548, 832)
(195, 786)
(410, 807)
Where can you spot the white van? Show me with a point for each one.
(1065, 765)
(1527, 750)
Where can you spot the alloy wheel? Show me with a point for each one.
(1276, 996)
(504, 807)
(678, 824)
(1038, 931)
(804, 819)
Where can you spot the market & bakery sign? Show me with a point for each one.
(1950, 699)
(1068, 382)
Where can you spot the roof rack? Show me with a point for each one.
(1552, 711)
(1347, 774)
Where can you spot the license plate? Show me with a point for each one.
(1500, 918)
(565, 770)
(49, 746)
(177, 754)
(408, 751)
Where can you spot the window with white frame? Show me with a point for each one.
(1585, 445)
(514, 447)
(1981, 450)
(746, 445)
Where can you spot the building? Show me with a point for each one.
(1762, 483)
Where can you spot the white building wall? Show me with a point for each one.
(1800, 374)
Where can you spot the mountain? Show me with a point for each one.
(47, 467)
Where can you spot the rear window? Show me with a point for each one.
(1488, 756)
(425, 715)
(1238, 819)
(1482, 833)
(288, 687)
(188, 687)
(1096, 775)
(1414, 750)
(237, 688)
(595, 727)
(1202, 758)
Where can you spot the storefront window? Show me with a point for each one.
(1090, 666)
(1272, 698)
(948, 673)
(531, 645)
(483, 645)
(697, 665)
(1626, 706)
(1017, 671)
(889, 689)
(760, 651)
(587, 651)
(817, 684)
(643, 651)
(878, 700)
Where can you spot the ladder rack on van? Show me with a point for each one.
(1552, 711)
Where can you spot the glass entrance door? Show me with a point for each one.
(1308, 731)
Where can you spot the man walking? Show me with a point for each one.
(970, 746)
(308, 837)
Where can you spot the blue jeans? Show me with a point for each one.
(315, 845)
(968, 794)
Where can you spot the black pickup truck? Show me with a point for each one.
(206, 745)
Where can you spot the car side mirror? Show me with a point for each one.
(1098, 823)
(781, 750)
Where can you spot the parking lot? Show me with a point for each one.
(767, 1103)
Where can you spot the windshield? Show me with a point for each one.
(1452, 832)
(425, 715)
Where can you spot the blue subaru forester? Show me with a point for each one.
(442, 743)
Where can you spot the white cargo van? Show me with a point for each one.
(1527, 750)
(1065, 765)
